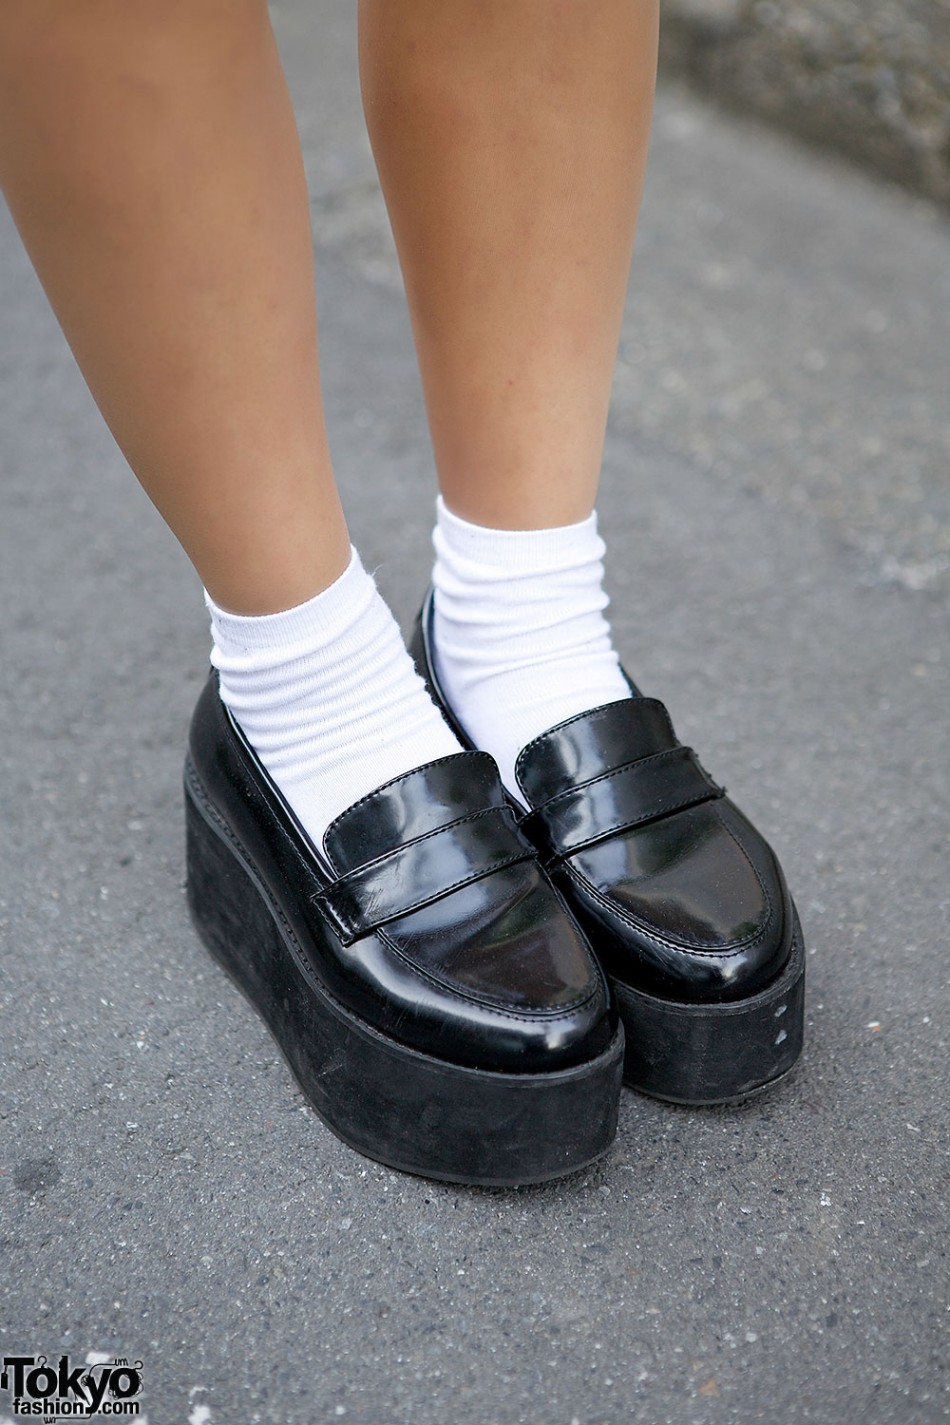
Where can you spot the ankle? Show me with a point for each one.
(521, 640)
(327, 696)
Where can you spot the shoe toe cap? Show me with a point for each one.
(511, 978)
(692, 908)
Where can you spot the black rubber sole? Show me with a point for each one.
(703, 1054)
(386, 1100)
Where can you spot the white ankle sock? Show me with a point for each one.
(521, 642)
(327, 696)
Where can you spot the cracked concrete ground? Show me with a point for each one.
(777, 501)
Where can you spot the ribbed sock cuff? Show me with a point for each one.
(312, 624)
(519, 550)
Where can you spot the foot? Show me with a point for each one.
(327, 697)
(683, 901)
(520, 638)
(440, 1010)
(364, 881)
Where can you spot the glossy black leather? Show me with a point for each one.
(679, 894)
(426, 912)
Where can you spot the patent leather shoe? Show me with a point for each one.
(682, 899)
(440, 1007)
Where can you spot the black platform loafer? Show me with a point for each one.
(437, 1002)
(683, 901)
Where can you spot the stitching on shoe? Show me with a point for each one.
(417, 840)
(623, 767)
(384, 786)
(683, 946)
(569, 722)
(513, 860)
(651, 814)
(589, 888)
(475, 998)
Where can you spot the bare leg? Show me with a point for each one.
(511, 139)
(149, 155)
(151, 161)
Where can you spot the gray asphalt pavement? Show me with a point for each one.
(777, 500)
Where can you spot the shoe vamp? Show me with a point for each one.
(686, 878)
(504, 939)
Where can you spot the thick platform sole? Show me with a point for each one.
(388, 1101)
(703, 1054)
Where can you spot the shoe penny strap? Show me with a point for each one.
(618, 800)
(422, 871)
